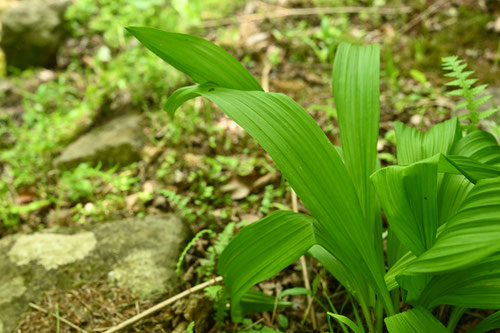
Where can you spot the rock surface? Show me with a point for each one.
(137, 254)
(118, 141)
(32, 31)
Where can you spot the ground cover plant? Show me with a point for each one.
(440, 244)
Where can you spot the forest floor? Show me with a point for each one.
(201, 165)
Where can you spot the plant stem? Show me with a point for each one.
(368, 317)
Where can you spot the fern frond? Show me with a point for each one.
(465, 89)
(221, 309)
(188, 246)
(213, 252)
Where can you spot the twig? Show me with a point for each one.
(285, 12)
(253, 324)
(58, 317)
(305, 274)
(422, 16)
(162, 305)
(265, 73)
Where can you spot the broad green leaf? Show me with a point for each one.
(414, 145)
(295, 142)
(202, 60)
(490, 323)
(347, 321)
(476, 286)
(356, 92)
(453, 190)
(261, 250)
(398, 268)
(480, 146)
(469, 236)
(409, 197)
(357, 100)
(416, 320)
(413, 286)
(256, 301)
(355, 82)
(315, 171)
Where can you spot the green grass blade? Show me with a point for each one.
(263, 249)
(202, 60)
(416, 320)
(346, 321)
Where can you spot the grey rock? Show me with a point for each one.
(138, 254)
(32, 31)
(118, 141)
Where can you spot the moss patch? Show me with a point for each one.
(52, 250)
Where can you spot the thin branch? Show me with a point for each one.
(58, 317)
(305, 274)
(422, 16)
(285, 12)
(162, 305)
(265, 74)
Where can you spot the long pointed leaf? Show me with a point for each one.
(356, 93)
(203, 61)
(414, 145)
(296, 144)
(355, 83)
(409, 197)
(262, 250)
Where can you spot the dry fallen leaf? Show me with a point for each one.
(265, 180)
(239, 189)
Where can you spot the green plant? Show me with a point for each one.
(441, 201)
(474, 96)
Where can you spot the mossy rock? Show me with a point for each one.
(33, 31)
(138, 254)
(119, 141)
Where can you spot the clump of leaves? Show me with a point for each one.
(442, 201)
(474, 96)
